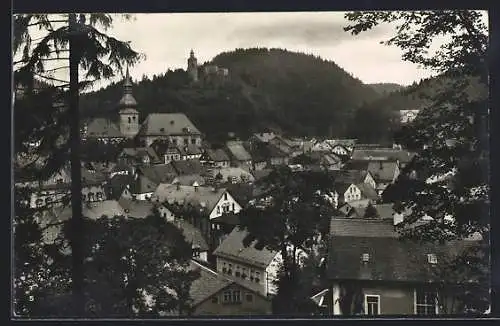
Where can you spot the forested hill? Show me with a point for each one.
(374, 121)
(386, 88)
(297, 93)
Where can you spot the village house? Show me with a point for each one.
(230, 175)
(355, 187)
(190, 152)
(342, 147)
(214, 294)
(138, 156)
(215, 158)
(408, 116)
(211, 202)
(285, 145)
(166, 150)
(141, 187)
(321, 146)
(238, 154)
(159, 173)
(56, 189)
(392, 277)
(383, 172)
(248, 265)
(403, 157)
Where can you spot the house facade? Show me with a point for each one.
(248, 265)
(214, 294)
(382, 274)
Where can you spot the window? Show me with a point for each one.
(133, 118)
(237, 273)
(249, 297)
(218, 209)
(257, 277)
(99, 196)
(39, 202)
(233, 207)
(59, 181)
(129, 120)
(225, 196)
(196, 252)
(233, 296)
(425, 302)
(226, 296)
(193, 141)
(365, 257)
(236, 296)
(372, 305)
(432, 259)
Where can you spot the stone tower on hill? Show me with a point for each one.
(192, 68)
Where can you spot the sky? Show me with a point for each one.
(167, 38)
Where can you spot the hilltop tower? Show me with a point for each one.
(192, 68)
(129, 116)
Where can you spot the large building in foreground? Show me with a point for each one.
(175, 127)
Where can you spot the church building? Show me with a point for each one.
(174, 127)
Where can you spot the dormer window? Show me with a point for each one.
(432, 259)
(365, 257)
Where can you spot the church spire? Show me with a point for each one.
(128, 100)
(127, 83)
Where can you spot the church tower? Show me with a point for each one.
(192, 68)
(129, 116)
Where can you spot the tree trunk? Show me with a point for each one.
(76, 239)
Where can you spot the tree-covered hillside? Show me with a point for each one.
(375, 121)
(297, 93)
(386, 88)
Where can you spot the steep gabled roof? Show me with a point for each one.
(103, 128)
(136, 208)
(390, 259)
(383, 170)
(116, 185)
(232, 248)
(217, 155)
(185, 167)
(367, 191)
(238, 151)
(165, 124)
(192, 234)
(142, 185)
(201, 197)
(209, 283)
(159, 173)
(402, 156)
